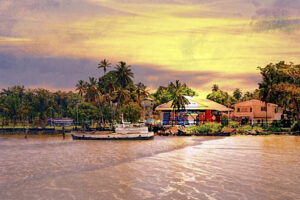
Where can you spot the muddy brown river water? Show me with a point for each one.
(237, 167)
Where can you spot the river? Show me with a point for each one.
(236, 167)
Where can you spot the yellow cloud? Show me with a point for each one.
(165, 36)
(4, 40)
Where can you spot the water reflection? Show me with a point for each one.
(163, 168)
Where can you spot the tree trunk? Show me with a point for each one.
(298, 112)
(266, 113)
(174, 114)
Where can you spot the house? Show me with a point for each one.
(256, 110)
(197, 111)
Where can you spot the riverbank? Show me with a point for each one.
(213, 129)
(53, 132)
(33, 131)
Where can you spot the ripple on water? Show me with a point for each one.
(164, 168)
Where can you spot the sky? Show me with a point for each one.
(55, 43)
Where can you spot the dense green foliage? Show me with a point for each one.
(224, 120)
(104, 99)
(221, 97)
(132, 112)
(18, 104)
(207, 128)
(99, 99)
(281, 85)
(224, 98)
(166, 94)
(237, 94)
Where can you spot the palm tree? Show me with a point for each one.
(104, 64)
(81, 87)
(124, 74)
(92, 91)
(123, 96)
(179, 100)
(215, 87)
(141, 92)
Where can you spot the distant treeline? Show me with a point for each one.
(280, 85)
(103, 99)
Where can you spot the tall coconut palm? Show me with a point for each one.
(178, 99)
(81, 87)
(104, 64)
(92, 91)
(123, 96)
(141, 92)
(124, 74)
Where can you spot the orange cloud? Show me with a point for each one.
(174, 35)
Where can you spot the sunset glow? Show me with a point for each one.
(200, 42)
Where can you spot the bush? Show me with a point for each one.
(243, 129)
(208, 128)
(273, 129)
(257, 128)
(233, 124)
(224, 120)
(275, 126)
(295, 126)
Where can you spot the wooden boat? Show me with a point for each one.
(123, 132)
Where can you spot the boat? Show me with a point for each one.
(122, 132)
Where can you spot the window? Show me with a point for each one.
(250, 109)
(244, 109)
(263, 108)
(238, 110)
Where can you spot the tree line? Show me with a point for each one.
(104, 99)
(109, 97)
(280, 85)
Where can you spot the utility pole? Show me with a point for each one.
(77, 116)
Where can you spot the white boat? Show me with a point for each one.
(122, 132)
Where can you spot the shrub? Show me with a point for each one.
(224, 120)
(243, 129)
(295, 126)
(208, 128)
(275, 126)
(233, 124)
(257, 128)
(273, 129)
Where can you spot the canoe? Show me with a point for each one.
(129, 136)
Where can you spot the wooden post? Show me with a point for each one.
(63, 132)
(26, 133)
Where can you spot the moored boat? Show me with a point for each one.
(122, 132)
(136, 136)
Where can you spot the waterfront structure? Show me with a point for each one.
(256, 110)
(60, 122)
(196, 112)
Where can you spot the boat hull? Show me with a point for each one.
(147, 136)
